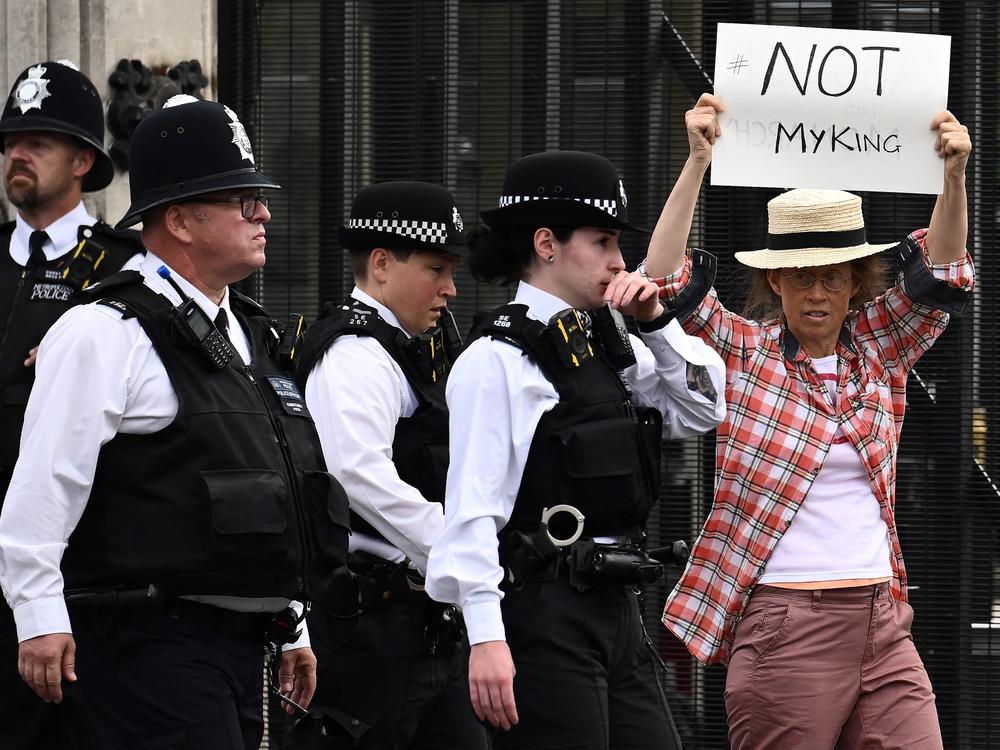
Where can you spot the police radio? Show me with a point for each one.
(609, 325)
(567, 335)
(198, 328)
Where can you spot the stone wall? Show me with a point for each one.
(96, 34)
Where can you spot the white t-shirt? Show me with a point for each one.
(838, 531)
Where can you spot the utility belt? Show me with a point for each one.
(104, 610)
(369, 583)
(540, 556)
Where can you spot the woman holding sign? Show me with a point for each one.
(797, 578)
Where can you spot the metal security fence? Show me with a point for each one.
(338, 95)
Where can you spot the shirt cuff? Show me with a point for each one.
(657, 323)
(671, 344)
(923, 282)
(41, 617)
(484, 622)
(303, 640)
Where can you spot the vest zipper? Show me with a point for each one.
(279, 434)
(13, 309)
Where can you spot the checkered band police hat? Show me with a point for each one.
(565, 189)
(404, 215)
(55, 97)
(188, 148)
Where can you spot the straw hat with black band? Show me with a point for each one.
(807, 227)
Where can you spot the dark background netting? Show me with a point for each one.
(338, 95)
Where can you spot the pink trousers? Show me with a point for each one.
(825, 669)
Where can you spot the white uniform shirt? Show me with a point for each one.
(357, 393)
(496, 397)
(63, 237)
(97, 375)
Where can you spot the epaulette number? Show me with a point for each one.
(119, 306)
(359, 318)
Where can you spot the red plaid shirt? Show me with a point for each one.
(778, 430)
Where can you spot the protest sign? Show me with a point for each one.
(829, 108)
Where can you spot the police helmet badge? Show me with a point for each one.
(32, 90)
(456, 219)
(240, 138)
(178, 99)
(621, 192)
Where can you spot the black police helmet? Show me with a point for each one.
(188, 148)
(404, 215)
(54, 97)
(565, 189)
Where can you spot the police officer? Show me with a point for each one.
(171, 497)
(392, 663)
(556, 421)
(52, 130)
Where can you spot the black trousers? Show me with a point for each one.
(377, 670)
(26, 721)
(166, 681)
(586, 677)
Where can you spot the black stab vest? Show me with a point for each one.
(420, 443)
(233, 497)
(594, 450)
(29, 304)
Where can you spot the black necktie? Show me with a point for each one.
(222, 322)
(35, 243)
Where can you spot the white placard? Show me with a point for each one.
(829, 108)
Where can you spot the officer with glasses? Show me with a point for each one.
(171, 502)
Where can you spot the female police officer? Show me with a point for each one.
(546, 413)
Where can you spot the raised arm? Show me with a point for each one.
(669, 241)
(949, 228)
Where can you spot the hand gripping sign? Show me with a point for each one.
(829, 108)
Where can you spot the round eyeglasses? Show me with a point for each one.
(834, 281)
(247, 203)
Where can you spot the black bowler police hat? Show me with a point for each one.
(404, 215)
(190, 147)
(561, 189)
(55, 97)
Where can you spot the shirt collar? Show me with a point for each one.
(149, 267)
(541, 305)
(63, 234)
(791, 348)
(384, 312)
